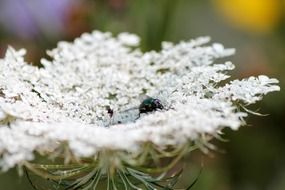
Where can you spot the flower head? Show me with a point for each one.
(85, 101)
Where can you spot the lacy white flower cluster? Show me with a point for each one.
(88, 95)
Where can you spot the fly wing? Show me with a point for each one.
(126, 116)
(142, 97)
(130, 109)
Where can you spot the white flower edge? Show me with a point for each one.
(41, 108)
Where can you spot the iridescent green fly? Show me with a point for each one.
(147, 105)
(150, 104)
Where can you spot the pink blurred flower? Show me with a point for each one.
(28, 19)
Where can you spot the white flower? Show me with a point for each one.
(71, 98)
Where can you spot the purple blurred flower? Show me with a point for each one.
(27, 19)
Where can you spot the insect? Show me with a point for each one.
(150, 104)
(147, 105)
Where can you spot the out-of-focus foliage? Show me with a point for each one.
(254, 156)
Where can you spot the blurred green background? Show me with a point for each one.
(254, 156)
